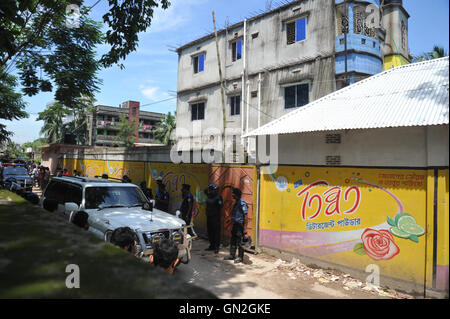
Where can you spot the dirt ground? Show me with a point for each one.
(266, 277)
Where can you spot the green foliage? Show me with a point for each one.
(125, 20)
(13, 150)
(11, 104)
(127, 129)
(165, 128)
(438, 52)
(52, 116)
(34, 38)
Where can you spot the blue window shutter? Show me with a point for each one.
(201, 63)
(301, 29)
(239, 49)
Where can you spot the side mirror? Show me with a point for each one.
(70, 207)
(148, 206)
(178, 213)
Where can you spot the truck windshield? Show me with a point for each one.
(104, 197)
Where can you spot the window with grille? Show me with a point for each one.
(236, 47)
(199, 63)
(296, 95)
(296, 31)
(235, 105)
(198, 111)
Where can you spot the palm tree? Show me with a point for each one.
(438, 52)
(165, 128)
(53, 128)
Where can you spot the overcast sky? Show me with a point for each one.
(150, 73)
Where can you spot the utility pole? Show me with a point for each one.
(222, 90)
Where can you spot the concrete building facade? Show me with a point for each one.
(273, 63)
(104, 129)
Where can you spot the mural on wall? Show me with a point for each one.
(118, 169)
(174, 176)
(242, 177)
(347, 216)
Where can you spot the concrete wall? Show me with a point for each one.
(268, 54)
(388, 147)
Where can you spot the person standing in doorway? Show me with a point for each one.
(239, 221)
(214, 205)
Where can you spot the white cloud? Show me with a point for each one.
(153, 93)
(178, 13)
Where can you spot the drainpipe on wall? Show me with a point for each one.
(258, 168)
(259, 100)
(243, 81)
(248, 113)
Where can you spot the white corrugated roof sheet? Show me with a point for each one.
(412, 95)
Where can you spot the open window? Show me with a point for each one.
(199, 63)
(296, 30)
(236, 48)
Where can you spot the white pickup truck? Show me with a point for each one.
(111, 205)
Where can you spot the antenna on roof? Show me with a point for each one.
(268, 5)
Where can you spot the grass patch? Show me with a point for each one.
(36, 246)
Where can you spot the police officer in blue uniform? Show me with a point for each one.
(239, 220)
(214, 204)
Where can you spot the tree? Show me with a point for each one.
(13, 150)
(127, 129)
(165, 128)
(80, 124)
(34, 37)
(11, 104)
(53, 128)
(438, 52)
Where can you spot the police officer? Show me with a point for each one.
(214, 204)
(161, 196)
(147, 191)
(187, 206)
(239, 220)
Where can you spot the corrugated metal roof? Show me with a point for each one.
(412, 95)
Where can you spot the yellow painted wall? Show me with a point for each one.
(393, 61)
(174, 175)
(313, 222)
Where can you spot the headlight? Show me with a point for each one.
(156, 238)
(177, 237)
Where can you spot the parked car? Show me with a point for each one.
(15, 174)
(111, 205)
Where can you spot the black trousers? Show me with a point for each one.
(213, 227)
(237, 233)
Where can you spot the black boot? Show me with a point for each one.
(232, 255)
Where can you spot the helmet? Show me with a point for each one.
(212, 187)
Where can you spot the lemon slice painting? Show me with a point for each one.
(405, 226)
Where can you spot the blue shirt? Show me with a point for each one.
(240, 209)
